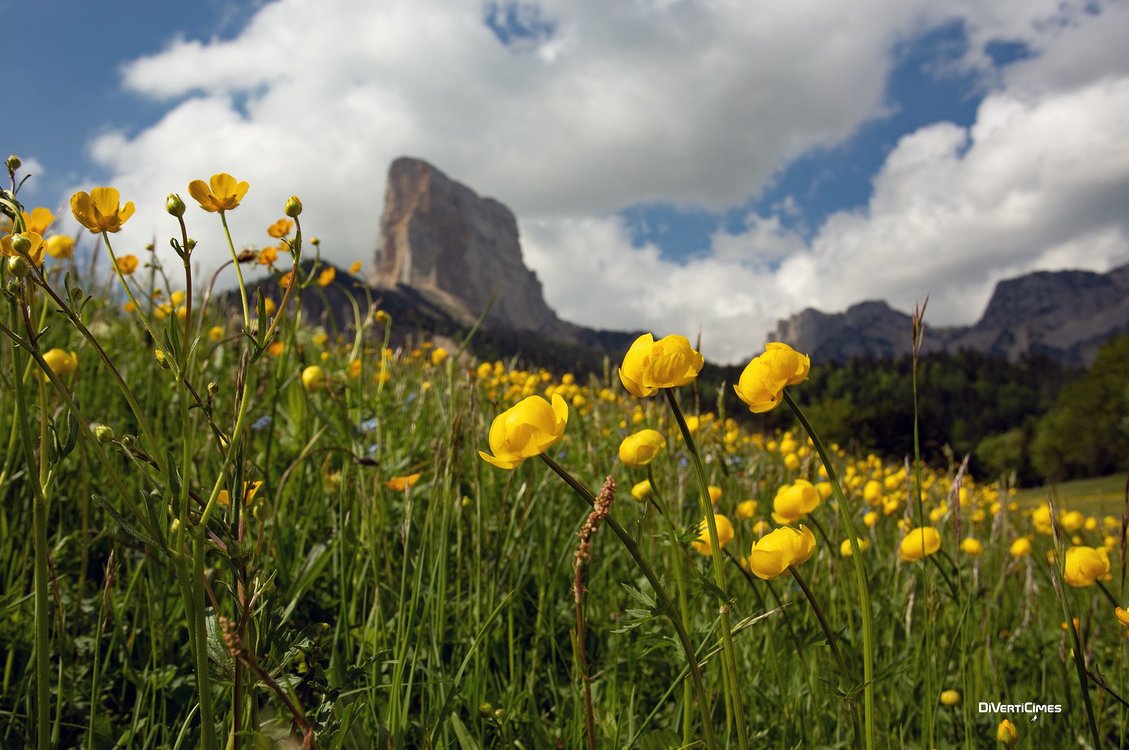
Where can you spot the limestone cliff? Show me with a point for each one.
(440, 238)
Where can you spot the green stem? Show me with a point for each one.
(200, 624)
(39, 511)
(238, 273)
(860, 574)
(729, 672)
(665, 604)
(832, 641)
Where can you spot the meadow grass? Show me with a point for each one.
(243, 532)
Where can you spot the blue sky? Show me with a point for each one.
(678, 165)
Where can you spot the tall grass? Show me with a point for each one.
(155, 594)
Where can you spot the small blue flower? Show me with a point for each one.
(368, 425)
(261, 423)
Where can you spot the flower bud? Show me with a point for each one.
(21, 244)
(174, 205)
(102, 433)
(18, 267)
(14, 163)
(293, 207)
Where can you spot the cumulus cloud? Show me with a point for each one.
(593, 106)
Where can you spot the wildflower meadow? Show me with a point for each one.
(223, 525)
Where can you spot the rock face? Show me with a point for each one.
(461, 251)
(1066, 315)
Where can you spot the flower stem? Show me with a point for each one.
(238, 273)
(729, 672)
(833, 642)
(860, 574)
(666, 606)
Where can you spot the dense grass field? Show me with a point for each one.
(242, 533)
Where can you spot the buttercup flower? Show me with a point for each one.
(667, 363)
(438, 356)
(313, 379)
(1122, 616)
(60, 246)
(641, 490)
(846, 550)
(38, 220)
(724, 534)
(1007, 733)
(746, 508)
(101, 210)
(794, 501)
(355, 268)
(61, 362)
(1021, 547)
(762, 383)
(280, 228)
(220, 193)
(399, 484)
(641, 448)
(127, 264)
(1085, 565)
(326, 277)
(33, 246)
(775, 552)
(525, 430)
(919, 543)
(950, 697)
(971, 546)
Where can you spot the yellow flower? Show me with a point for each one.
(641, 490)
(280, 228)
(776, 552)
(845, 549)
(34, 250)
(215, 333)
(61, 362)
(667, 363)
(438, 355)
(382, 317)
(641, 448)
(276, 349)
(220, 193)
(267, 256)
(355, 268)
(971, 547)
(714, 492)
(38, 220)
(1021, 547)
(762, 383)
(399, 484)
(100, 211)
(60, 246)
(950, 697)
(1007, 733)
(746, 508)
(285, 279)
(527, 429)
(326, 277)
(919, 543)
(724, 534)
(127, 264)
(313, 379)
(1122, 616)
(794, 501)
(872, 492)
(1085, 565)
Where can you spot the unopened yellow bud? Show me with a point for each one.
(293, 207)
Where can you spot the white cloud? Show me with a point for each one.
(696, 103)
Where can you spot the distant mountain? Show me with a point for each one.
(1065, 315)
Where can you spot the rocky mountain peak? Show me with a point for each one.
(458, 249)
